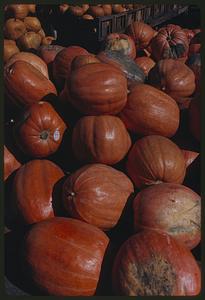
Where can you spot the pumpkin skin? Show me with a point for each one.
(97, 89)
(141, 33)
(62, 63)
(100, 139)
(145, 63)
(32, 24)
(25, 85)
(155, 159)
(48, 40)
(189, 33)
(18, 11)
(97, 194)
(174, 78)
(29, 40)
(150, 111)
(194, 118)
(107, 9)
(82, 60)
(96, 11)
(194, 63)
(10, 163)
(40, 132)
(121, 42)
(160, 208)
(49, 52)
(170, 42)
(10, 49)
(31, 58)
(14, 28)
(154, 264)
(83, 250)
(33, 190)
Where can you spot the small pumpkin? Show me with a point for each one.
(83, 247)
(40, 131)
(145, 63)
(29, 40)
(150, 111)
(117, 8)
(155, 159)
(97, 194)
(14, 29)
(33, 191)
(32, 24)
(10, 49)
(11, 164)
(95, 11)
(82, 60)
(100, 139)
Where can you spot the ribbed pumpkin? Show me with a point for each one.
(82, 60)
(154, 264)
(150, 111)
(33, 191)
(100, 139)
(174, 78)
(145, 63)
(64, 256)
(194, 118)
(25, 85)
(97, 89)
(10, 163)
(10, 49)
(97, 194)
(14, 28)
(155, 159)
(40, 131)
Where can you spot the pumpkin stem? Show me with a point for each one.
(44, 135)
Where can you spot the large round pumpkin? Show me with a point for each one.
(40, 131)
(34, 189)
(64, 256)
(195, 118)
(10, 49)
(155, 159)
(154, 264)
(174, 78)
(171, 208)
(97, 89)
(62, 63)
(150, 111)
(10, 163)
(100, 139)
(25, 85)
(170, 42)
(97, 194)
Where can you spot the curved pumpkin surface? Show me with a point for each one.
(10, 163)
(155, 159)
(65, 256)
(100, 139)
(150, 111)
(25, 85)
(145, 63)
(97, 194)
(33, 188)
(40, 132)
(97, 89)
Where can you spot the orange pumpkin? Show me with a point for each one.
(145, 63)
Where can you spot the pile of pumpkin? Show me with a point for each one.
(96, 134)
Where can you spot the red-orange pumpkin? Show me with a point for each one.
(154, 264)
(40, 131)
(155, 159)
(194, 118)
(97, 194)
(82, 60)
(145, 63)
(25, 85)
(171, 208)
(65, 256)
(97, 89)
(100, 139)
(10, 163)
(33, 197)
(150, 111)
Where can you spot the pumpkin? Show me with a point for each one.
(10, 49)
(40, 131)
(174, 78)
(49, 52)
(62, 63)
(29, 40)
(170, 42)
(82, 60)
(97, 194)
(107, 9)
(41, 32)
(85, 7)
(18, 11)
(127, 65)
(117, 8)
(141, 33)
(155, 264)
(120, 42)
(32, 8)
(24, 84)
(97, 89)
(76, 10)
(75, 271)
(32, 24)
(145, 63)
(33, 191)
(14, 28)
(194, 118)
(171, 208)
(96, 11)
(194, 63)
(48, 40)
(150, 111)
(189, 156)
(11, 164)
(100, 139)
(32, 59)
(189, 33)
(155, 159)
